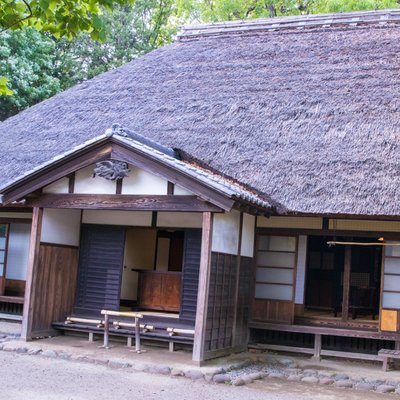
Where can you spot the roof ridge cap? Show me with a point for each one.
(377, 17)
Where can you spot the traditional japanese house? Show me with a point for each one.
(250, 191)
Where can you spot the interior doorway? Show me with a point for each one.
(152, 272)
(343, 282)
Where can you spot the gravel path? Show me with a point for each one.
(34, 377)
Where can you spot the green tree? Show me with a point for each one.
(37, 65)
(27, 59)
(227, 10)
(61, 18)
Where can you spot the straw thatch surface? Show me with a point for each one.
(310, 118)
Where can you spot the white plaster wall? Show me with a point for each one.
(290, 222)
(84, 183)
(140, 181)
(60, 186)
(109, 217)
(139, 254)
(247, 248)
(61, 226)
(301, 269)
(363, 225)
(179, 220)
(15, 215)
(225, 236)
(18, 251)
(180, 191)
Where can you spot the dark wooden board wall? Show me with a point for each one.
(54, 286)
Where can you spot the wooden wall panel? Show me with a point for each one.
(15, 287)
(273, 311)
(246, 288)
(54, 287)
(221, 302)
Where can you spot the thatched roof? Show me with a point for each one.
(309, 117)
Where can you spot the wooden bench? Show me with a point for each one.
(178, 332)
(75, 320)
(386, 355)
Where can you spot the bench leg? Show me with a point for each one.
(129, 342)
(385, 364)
(91, 337)
(171, 346)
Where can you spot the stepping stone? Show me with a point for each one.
(310, 379)
(344, 383)
(385, 389)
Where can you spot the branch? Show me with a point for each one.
(22, 19)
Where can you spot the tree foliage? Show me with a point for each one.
(227, 10)
(37, 65)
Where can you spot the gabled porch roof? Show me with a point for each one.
(121, 144)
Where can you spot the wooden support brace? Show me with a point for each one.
(317, 346)
(171, 346)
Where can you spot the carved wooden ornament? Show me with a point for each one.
(111, 170)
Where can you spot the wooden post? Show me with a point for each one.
(317, 347)
(33, 264)
(137, 335)
(202, 292)
(106, 327)
(237, 283)
(346, 283)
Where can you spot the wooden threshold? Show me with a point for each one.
(12, 299)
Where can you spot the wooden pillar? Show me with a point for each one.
(33, 264)
(346, 283)
(202, 293)
(237, 283)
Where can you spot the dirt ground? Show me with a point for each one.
(37, 378)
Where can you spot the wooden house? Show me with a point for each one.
(241, 182)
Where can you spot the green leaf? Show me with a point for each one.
(4, 89)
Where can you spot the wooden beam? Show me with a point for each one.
(202, 293)
(54, 172)
(33, 264)
(123, 202)
(141, 160)
(356, 333)
(346, 283)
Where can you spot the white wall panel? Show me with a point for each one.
(276, 259)
(247, 248)
(274, 275)
(60, 186)
(180, 191)
(16, 215)
(274, 292)
(109, 217)
(140, 181)
(301, 269)
(61, 226)
(290, 222)
(391, 300)
(225, 236)
(179, 220)
(364, 225)
(85, 183)
(18, 251)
